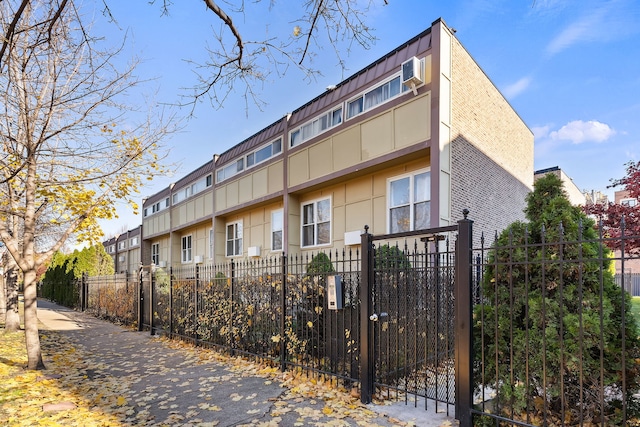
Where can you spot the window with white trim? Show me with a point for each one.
(376, 96)
(122, 245)
(155, 253)
(316, 223)
(230, 170)
(409, 205)
(631, 202)
(264, 153)
(277, 227)
(133, 241)
(234, 239)
(156, 207)
(193, 189)
(315, 127)
(186, 249)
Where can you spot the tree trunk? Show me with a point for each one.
(34, 355)
(3, 297)
(12, 317)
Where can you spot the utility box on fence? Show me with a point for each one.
(335, 293)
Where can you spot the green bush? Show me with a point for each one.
(546, 327)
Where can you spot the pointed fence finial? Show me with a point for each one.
(465, 213)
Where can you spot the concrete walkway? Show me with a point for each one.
(171, 385)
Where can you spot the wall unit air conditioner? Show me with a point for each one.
(197, 259)
(162, 264)
(412, 73)
(253, 251)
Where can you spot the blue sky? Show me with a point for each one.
(571, 70)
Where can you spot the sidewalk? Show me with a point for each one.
(170, 385)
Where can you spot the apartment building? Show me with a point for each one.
(125, 251)
(404, 144)
(576, 196)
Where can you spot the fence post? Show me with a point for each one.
(83, 292)
(283, 315)
(231, 311)
(367, 362)
(140, 300)
(463, 322)
(152, 288)
(195, 304)
(171, 301)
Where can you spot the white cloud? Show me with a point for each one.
(516, 88)
(540, 132)
(579, 132)
(576, 32)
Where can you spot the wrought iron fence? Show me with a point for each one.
(111, 297)
(555, 343)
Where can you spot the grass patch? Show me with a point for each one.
(635, 308)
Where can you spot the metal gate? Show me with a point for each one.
(413, 318)
(416, 320)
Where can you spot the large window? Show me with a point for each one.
(264, 153)
(155, 253)
(374, 97)
(409, 202)
(230, 170)
(251, 159)
(277, 225)
(193, 189)
(234, 239)
(122, 245)
(186, 248)
(316, 223)
(156, 207)
(315, 126)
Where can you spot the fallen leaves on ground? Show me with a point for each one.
(86, 385)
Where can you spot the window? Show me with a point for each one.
(264, 153)
(629, 202)
(316, 223)
(112, 249)
(156, 207)
(155, 253)
(315, 127)
(122, 245)
(186, 248)
(374, 97)
(409, 205)
(234, 239)
(121, 258)
(133, 241)
(230, 170)
(190, 190)
(277, 225)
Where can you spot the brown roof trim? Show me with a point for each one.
(350, 86)
(253, 203)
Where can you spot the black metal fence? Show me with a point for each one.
(511, 332)
(555, 341)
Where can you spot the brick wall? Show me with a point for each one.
(492, 149)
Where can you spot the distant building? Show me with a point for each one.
(125, 250)
(576, 196)
(594, 197)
